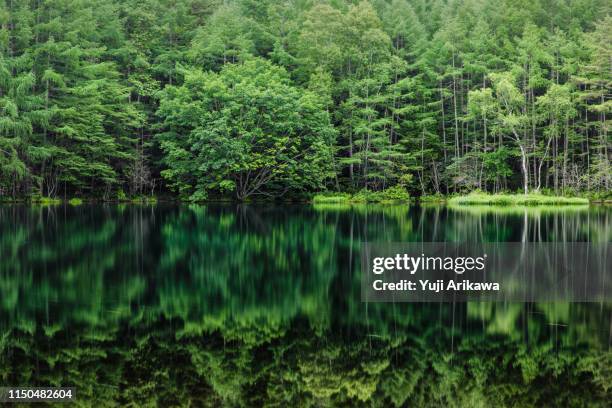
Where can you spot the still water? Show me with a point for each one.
(243, 305)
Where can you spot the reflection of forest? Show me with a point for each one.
(242, 305)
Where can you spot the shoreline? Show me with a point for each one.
(492, 200)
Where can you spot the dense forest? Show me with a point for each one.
(261, 98)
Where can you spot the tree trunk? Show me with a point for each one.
(524, 168)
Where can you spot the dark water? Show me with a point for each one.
(242, 305)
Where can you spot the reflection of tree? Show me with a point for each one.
(64, 264)
(251, 306)
(532, 224)
(144, 363)
(238, 266)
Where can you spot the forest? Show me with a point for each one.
(245, 99)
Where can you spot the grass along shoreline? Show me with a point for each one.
(389, 196)
(75, 201)
(395, 195)
(515, 200)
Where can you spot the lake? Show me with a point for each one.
(251, 305)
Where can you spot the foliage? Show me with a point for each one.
(396, 193)
(434, 198)
(38, 199)
(391, 194)
(479, 198)
(331, 198)
(193, 96)
(245, 130)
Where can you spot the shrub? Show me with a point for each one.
(330, 198)
(121, 196)
(396, 193)
(39, 199)
(392, 194)
(366, 196)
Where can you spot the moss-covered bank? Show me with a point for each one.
(515, 199)
(390, 195)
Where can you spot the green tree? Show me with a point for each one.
(595, 81)
(227, 38)
(557, 108)
(510, 119)
(21, 108)
(245, 130)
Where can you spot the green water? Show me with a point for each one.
(241, 305)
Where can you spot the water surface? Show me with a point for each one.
(243, 305)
